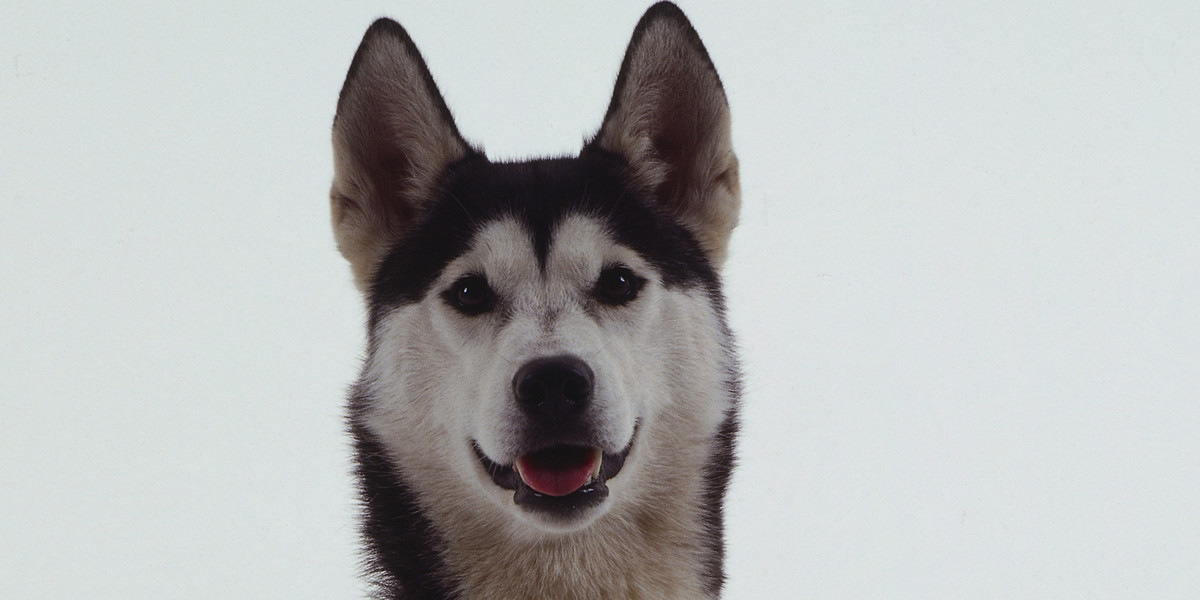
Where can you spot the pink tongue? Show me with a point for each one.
(558, 471)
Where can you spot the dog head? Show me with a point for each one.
(532, 323)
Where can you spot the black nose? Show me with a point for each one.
(555, 386)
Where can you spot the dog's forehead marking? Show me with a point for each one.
(579, 247)
(583, 245)
(503, 251)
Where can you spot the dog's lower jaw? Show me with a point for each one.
(639, 550)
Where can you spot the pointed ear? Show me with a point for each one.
(669, 120)
(392, 139)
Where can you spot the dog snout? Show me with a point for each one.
(554, 387)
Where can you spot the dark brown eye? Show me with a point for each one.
(471, 295)
(617, 285)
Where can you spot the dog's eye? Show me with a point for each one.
(471, 295)
(618, 285)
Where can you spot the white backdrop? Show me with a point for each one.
(966, 283)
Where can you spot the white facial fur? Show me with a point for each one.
(443, 379)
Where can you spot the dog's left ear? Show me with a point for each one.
(669, 119)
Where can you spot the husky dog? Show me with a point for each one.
(549, 399)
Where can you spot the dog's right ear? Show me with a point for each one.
(392, 139)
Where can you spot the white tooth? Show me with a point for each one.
(599, 460)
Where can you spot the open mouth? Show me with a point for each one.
(561, 480)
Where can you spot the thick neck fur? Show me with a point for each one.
(645, 555)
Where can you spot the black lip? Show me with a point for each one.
(560, 507)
